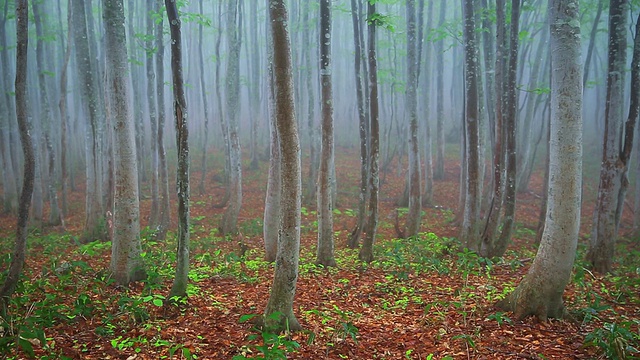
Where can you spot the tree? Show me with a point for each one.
(469, 233)
(232, 94)
(154, 216)
(540, 292)
(325, 254)
(55, 217)
(366, 252)
(605, 223)
(95, 223)
(205, 103)
(438, 173)
(22, 114)
(286, 272)
(165, 214)
(363, 127)
(415, 189)
(179, 287)
(126, 261)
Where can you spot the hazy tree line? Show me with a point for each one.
(273, 81)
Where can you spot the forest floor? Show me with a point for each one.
(420, 299)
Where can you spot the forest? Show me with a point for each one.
(330, 179)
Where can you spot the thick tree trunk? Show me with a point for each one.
(272, 212)
(604, 233)
(286, 272)
(179, 287)
(325, 254)
(540, 292)
(126, 261)
(366, 252)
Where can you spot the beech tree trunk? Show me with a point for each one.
(366, 252)
(325, 254)
(154, 217)
(411, 108)
(286, 271)
(126, 261)
(165, 214)
(438, 172)
(232, 95)
(470, 231)
(22, 113)
(604, 232)
(95, 224)
(540, 292)
(179, 287)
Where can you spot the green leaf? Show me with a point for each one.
(157, 302)
(247, 317)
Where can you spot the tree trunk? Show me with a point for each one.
(55, 217)
(126, 262)
(415, 187)
(438, 173)
(179, 287)
(604, 233)
(470, 231)
(540, 292)
(232, 95)
(20, 245)
(205, 105)
(279, 311)
(427, 195)
(363, 125)
(272, 212)
(366, 252)
(165, 215)
(62, 105)
(95, 223)
(154, 217)
(311, 188)
(325, 255)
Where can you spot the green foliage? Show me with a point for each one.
(616, 341)
(272, 346)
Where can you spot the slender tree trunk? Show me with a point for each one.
(179, 287)
(62, 104)
(592, 43)
(325, 254)
(411, 108)
(95, 223)
(255, 87)
(205, 105)
(165, 215)
(438, 173)
(20, 245)
(126, 261)
(470, 231)
(495, 205)
(366, 252)
(427, 195)
(511, 111)
(55, 217)
(232, 95)
(286, 272)
(272, 207)
(540, 292)
(154, 217)
(311, 188)
(604, 233)
(363, 126)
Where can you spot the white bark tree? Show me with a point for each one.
(540, 292)
(126, 261)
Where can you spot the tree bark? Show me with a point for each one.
(179, 287)
(279, 311)
(438, 173)
(22, 113)
(366, 252)
(165, 214)
(604, 232)
(540, 292)
(232, 95)
(154, 217)
(411, 103)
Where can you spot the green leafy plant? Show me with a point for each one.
(272, 346)
(617, 341)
